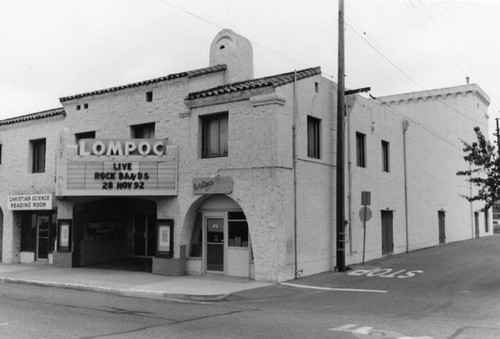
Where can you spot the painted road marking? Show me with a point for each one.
(386, 273)
(370, 332)
(333, 289)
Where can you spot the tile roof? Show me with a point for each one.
(34, 116)
(274, 81)
(190, 74)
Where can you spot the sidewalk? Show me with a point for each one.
(126, 283)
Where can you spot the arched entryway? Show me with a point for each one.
(115, 233)
(220, 240)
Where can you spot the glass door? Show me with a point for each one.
(215, 240)
(144, 234)
(43, 225)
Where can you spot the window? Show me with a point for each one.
(360, 149)
(85, 106)
(385, 156)
(313, 137)
(237, 229)
(316, 87)
(214, 135)
(78, 107)
(84, 135)
(486, 220)
(0, 153)
(149, 96)
(38, 155)
(143, 131)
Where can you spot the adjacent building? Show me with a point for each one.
(211, 171)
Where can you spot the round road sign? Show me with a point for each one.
(365, 213)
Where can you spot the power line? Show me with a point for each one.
(362, 36)
(364, 39)
(417, 123)
(413, 11)
(295, 61)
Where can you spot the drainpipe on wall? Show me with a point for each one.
(406, 123)
(294, 155)
(471, 206)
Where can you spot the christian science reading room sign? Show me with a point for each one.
(29, 202)
(122, 167)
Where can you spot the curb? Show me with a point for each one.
(120, 292)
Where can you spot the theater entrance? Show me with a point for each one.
(115, 233)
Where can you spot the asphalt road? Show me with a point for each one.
(452, 291)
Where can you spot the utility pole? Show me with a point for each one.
(340, 232)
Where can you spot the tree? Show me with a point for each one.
(484, 169)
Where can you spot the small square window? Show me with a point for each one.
(149, 96)
(78, 107)
(85, 106)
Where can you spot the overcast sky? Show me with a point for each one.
(55, 48)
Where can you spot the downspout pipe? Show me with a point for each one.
(406, 123)
(294, 155)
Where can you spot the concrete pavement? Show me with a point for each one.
(127, 283)
(419, 270)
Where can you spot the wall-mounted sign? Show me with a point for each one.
(28, 202)
(165, 238)
(215, 185)
(122, 167)
(64, 236)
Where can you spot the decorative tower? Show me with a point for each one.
(236, 52)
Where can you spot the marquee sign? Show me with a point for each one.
(122, 167)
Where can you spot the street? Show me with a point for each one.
(451, 291)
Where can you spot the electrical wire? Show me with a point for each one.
(371, 45)
(362, 36)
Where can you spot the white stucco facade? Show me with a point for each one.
(273, 200)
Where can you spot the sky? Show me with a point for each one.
(55, 48)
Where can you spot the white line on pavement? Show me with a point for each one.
(333, 289)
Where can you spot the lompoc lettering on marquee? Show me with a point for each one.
(127, 166)
(101, 147)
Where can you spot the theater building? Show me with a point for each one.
(211, 171)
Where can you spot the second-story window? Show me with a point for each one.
(84, 135)
(385, 156)
(214, 135)
(38, 155)
(313, 137)
(143, 131)
(360, 149)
